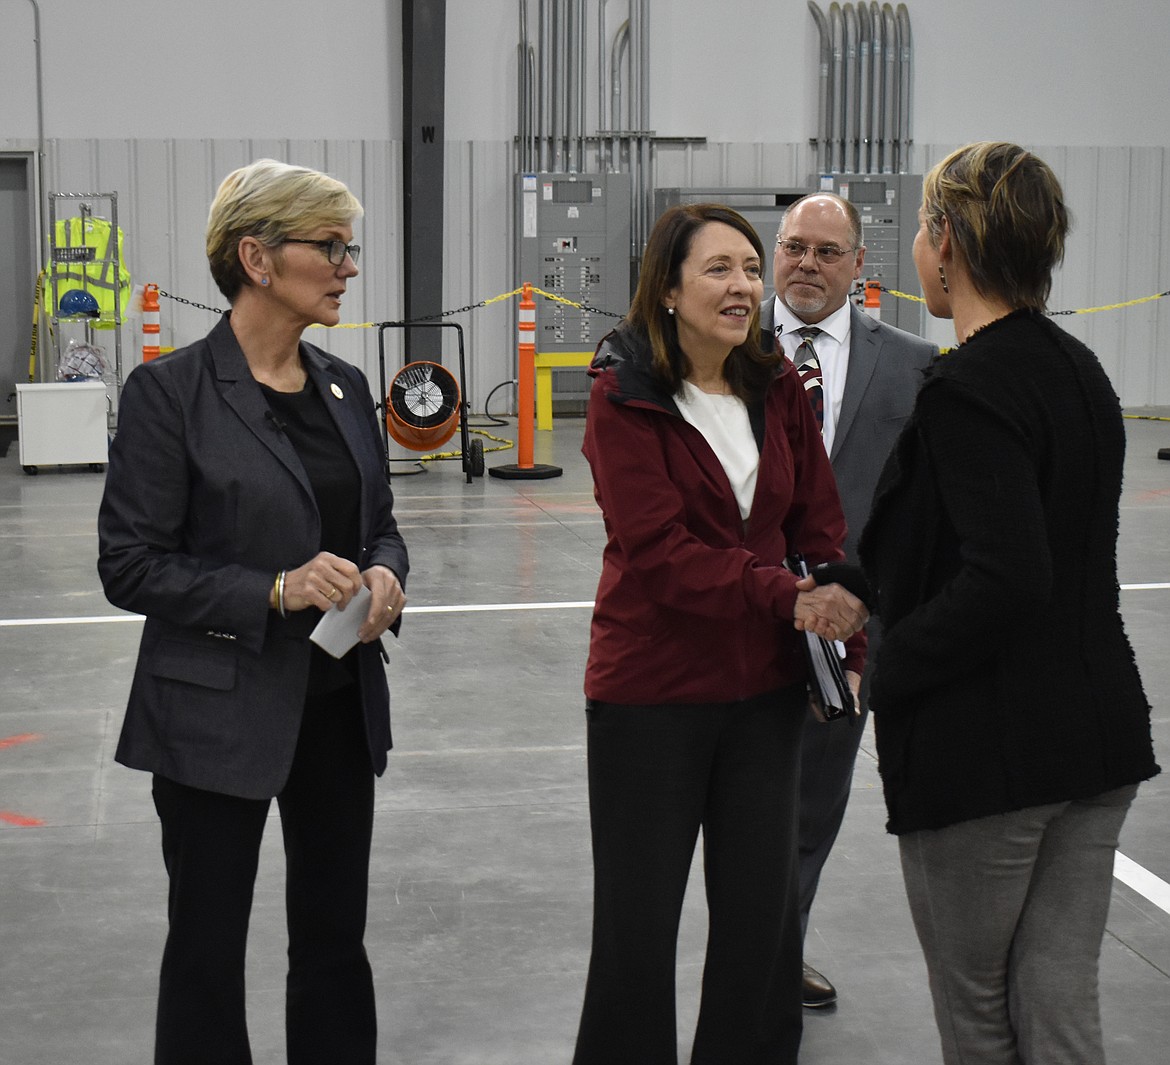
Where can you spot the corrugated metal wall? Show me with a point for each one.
(1119, 197)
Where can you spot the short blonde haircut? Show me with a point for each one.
(270, 200)
(1007, 218)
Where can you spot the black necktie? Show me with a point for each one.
(809, 368)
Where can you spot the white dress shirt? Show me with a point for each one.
(832, 348)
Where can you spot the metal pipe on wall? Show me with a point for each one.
(634, 142)
(581, 87)
(889, 87)
(572, 62)
(877, 66)
(864, 77)
(905, 86)
(522, 89)
(850, 83)
(863, 88)
(42, 235)
(557, 87)
(644, 122)
(837, 130)
(621, 46)
(602, 82)
(826, 51)
(544, 41)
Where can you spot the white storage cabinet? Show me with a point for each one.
(62, 423)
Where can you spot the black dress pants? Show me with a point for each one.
(211, 846)
(656, 775)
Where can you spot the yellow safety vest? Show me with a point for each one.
(81, 259)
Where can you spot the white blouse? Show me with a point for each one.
(724, 423)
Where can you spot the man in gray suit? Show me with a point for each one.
(867, 376)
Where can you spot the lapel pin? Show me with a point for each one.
(336, 390)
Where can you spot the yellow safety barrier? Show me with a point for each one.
(1053, 314)
(547, 361)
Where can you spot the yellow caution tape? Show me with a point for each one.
(1082, 310)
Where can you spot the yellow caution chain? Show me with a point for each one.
(1082, 310)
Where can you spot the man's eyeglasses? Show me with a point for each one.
(825, 254)
(336, 250)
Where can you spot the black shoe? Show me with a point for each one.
(815, 991)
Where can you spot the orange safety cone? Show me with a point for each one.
(526, 469)
(150, 323)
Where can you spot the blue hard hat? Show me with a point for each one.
(77, 301)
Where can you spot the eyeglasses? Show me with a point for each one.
(825, 254)
(336, 250)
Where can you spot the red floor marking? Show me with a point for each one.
(7, 816)
(20, 820)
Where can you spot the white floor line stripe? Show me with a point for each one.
(465, 608)
(1145, 883)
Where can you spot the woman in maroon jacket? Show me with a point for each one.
(709, 470)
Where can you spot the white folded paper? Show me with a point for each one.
(337, 631)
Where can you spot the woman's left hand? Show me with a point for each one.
(386, 602)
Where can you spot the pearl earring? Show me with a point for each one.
(670, 311)
(942, 276)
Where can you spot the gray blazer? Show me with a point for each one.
(205, 502)
(885, 371)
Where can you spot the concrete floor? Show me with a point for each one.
(480, 907)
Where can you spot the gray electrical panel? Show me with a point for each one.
(888, 205)
(573, 241)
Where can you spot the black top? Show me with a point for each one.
(1005, 679)
(303, 417)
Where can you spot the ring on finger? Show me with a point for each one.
(332, 593)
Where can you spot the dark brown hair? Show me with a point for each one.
(749, 368)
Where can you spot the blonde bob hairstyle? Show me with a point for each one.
(269, 200)
(1007, 218)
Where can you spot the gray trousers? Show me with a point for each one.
(1010, 911)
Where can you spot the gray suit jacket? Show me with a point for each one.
(885, 371)
(205, 501)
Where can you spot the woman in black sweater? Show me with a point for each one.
(1012, 728)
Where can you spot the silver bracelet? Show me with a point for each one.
(280, 594)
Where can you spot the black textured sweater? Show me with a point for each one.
(1006, 679)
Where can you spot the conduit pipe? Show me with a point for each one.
(850, 83)
(551, 83)
(617, 58)
(889, 87)
(877, 65)
(823, 90)
(644, 166)
(904, 88)
(601, 85)
(863, 88)
(582, 52)
(42, 237)
(837, 129)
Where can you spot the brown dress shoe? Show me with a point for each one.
(816, 992)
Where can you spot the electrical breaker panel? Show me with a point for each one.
(573, 241)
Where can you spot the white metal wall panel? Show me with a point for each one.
(479, 255)
(1117, 250)
(164, 191)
